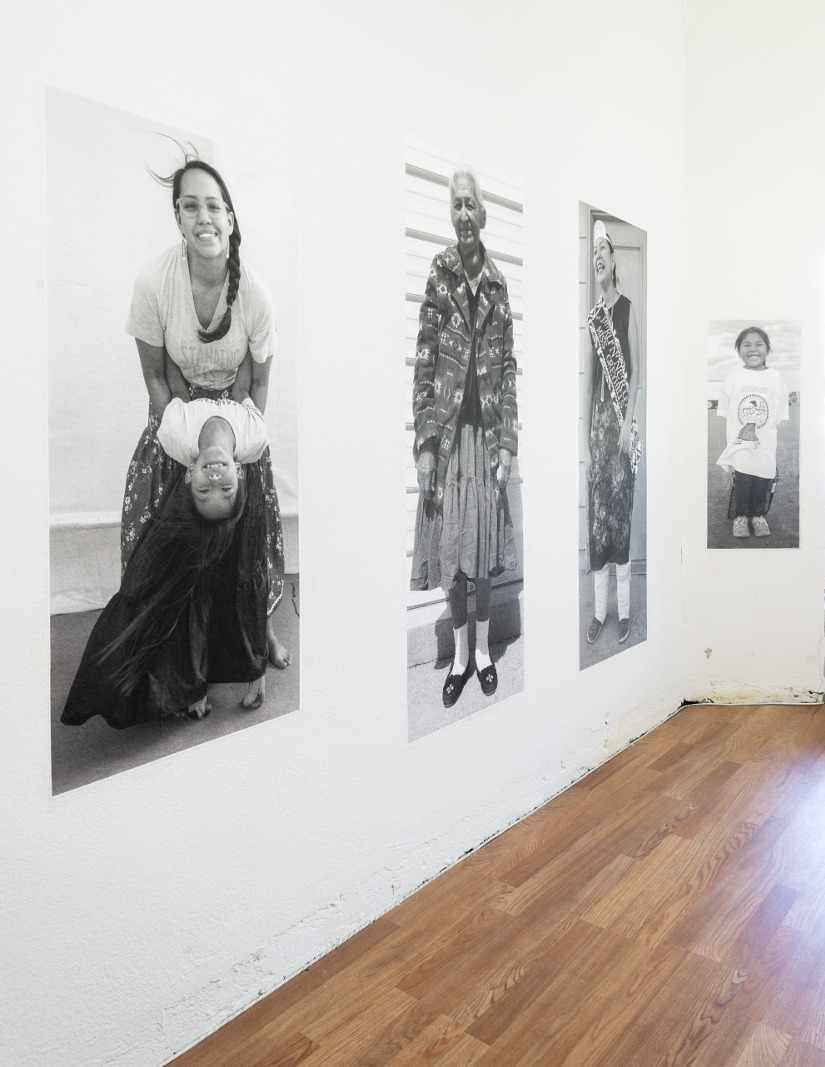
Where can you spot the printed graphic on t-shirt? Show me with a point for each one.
(753, 408)
(211, 363)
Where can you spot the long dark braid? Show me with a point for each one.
(173, 181)
(222, 329)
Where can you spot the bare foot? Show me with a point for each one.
(199, 710)
(255, 693)
(279, 655)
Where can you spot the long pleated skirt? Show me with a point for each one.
(150, 474)
(472, 532)
(610, 491)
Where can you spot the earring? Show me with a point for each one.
(183, 248)
(227, 249)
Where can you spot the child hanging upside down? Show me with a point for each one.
(212, 438)
(191, 608)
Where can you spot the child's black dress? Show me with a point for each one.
(220, 636)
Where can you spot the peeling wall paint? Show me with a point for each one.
(740, 693)
(759, 612)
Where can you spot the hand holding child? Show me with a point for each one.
(178, 386)
(243, 380)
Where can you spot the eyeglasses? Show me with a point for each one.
(192, 207)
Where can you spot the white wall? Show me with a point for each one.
(143, 910)
(755, 248)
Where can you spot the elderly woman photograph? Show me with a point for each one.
(611, 448)
(464, 408)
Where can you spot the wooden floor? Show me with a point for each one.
(667, 910)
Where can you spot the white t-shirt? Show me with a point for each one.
(182, 423)
(163, 314)
(760, 397)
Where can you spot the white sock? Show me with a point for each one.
(482, 645)
(462, 650)
(623, 589)
(600, 580)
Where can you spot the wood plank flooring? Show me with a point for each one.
(666, 911)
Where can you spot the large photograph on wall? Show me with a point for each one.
(612, 436)
(173, 439)
(464, 359)
(754, 407)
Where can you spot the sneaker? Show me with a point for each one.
(760, 527)
(593, 630)
(740, 526)
(624, 630)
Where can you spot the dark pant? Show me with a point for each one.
(751, 495)
(458, 599)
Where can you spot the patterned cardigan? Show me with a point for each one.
(443, 354)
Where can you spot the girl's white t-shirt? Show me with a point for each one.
(760, 397)
(163, 314)
(182, 423)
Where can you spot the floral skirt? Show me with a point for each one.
(473, 531)
(152, 471)
(610, 491)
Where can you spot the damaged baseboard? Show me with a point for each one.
(739, 693)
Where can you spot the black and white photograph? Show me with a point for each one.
(754, 404)
(464, 358)
(172, 321)
(612, 436)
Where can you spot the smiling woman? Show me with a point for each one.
(204, 327)
(466, 433)
(205, 332)
(201, 566)
(610, 447)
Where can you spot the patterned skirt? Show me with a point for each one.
(473, 532)
(150, 474)
(610, 492)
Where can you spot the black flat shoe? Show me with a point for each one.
(454, 685)
(488, 679)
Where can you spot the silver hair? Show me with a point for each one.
(467, 174)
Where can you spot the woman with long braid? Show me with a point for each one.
(204, 327)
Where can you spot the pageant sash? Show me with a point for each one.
(609, 350)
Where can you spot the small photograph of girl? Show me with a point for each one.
(464, 378)
(753, 433)
(613, 489)
(172, 343)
